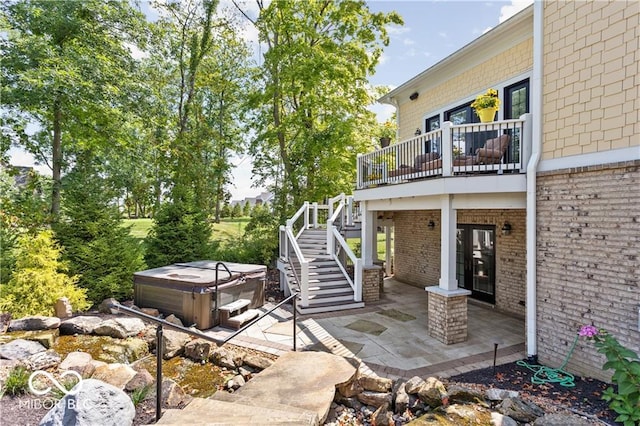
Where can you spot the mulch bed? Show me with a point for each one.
(584, 398)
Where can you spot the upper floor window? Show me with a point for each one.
(516, 100)
(432, 123)
(461, 115)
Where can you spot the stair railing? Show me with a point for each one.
(344, 257)
(196, 333)
(294, 223)
(293, 249)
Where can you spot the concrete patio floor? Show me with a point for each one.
(390, 336)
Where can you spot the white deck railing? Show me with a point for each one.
(448, 151)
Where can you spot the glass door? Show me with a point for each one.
(475, 260)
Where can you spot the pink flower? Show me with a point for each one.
(588, 331)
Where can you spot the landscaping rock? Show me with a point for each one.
(198, 350)
(124, 350)
(433, 393)
(174, 320)
(350, 388)
(245, 373)
(5, 320)
(413, 385)
(383, 417)
(150, 311)
(520, 410)
(45, 337)
(80, 362)
(236, 382)
(401, 401)
(82, 324)
(498, 419)
(495, 394)
(120, 328)
(141, 379)
(173, 396)
(469, 414)
(104, 308)
(43, 360)
(459, 393)
(34, 323)
(351, 402)
(561, 420)
(117, 375)
(96, 403)
(173, 343)
(376, 399)
(223, 358)
(63, 308)
(257, 361)
(20, 349)
(375, 383)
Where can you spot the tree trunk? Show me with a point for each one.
(57, 159)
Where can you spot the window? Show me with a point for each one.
(461, 115)
(432, 123)
(516, 99)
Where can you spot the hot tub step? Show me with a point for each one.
(241, 319)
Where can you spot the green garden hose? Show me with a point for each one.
(544, 374)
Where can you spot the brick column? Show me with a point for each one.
(371, 283)
(447, 311)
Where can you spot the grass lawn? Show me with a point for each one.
(381, 246)
(227, 229)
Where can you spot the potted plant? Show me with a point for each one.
(387, 132)
(486, 105)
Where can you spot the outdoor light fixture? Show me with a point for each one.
(413, 96)
(431, 224)
(506, 228)
(418, 132)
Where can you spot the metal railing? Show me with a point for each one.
(160, 323)
(452, 149)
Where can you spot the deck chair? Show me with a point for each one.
(491, 153)
(418, 165)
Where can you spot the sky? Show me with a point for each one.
(432, 31)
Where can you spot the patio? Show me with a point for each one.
(390, 336)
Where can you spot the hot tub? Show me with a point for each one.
(189, 290)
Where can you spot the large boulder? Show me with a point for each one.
(561, 419)
(120, 328)
(37, 322)
(140, 380)
(433, 393)
(45, 337)
(375, 399)
(43, 360)
(257, 361)
(20, 349)
(198, 350)
(124, 350)
(173, 343)
(82, 324)
(413, 385)
(92, 402)
(173, 396)
(376, 384)
(63, 308)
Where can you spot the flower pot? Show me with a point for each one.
(384, 142)
(486, 114)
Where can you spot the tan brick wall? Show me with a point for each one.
(591, 86)
(417, 251)
(588, 261)
(496, 69)
(447, 318)
(372, 279)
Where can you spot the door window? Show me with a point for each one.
(475, 260)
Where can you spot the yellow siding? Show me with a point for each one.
(591, 88)
(494, 70)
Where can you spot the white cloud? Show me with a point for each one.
(442, 34)
(408, 42)
(509, 10)
(397, 30)
(383, 112)
(383, 59)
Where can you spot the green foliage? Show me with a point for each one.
(226, 210)
(97, 247)
(259, 243)
(36, 283)
(139, 394)
(17, 382)
(236, 211)
(246, 209)
(180, 233)
(625, 363)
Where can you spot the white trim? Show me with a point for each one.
(591, 159)
(502, 201)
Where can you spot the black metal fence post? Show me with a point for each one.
(295, 322)
(159, 356)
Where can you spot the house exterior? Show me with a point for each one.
(547, 229)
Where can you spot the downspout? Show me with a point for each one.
(532, 166)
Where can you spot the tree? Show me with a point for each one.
(39, 279)
(226, 210)
(246, 209)
(97, 247)
(312, 101)
(236, 211)
(66, 68)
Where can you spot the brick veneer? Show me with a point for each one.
(447, 318)
(588, 252)
(372, 280)
(417, 251)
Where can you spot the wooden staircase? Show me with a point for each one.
(329, 289)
